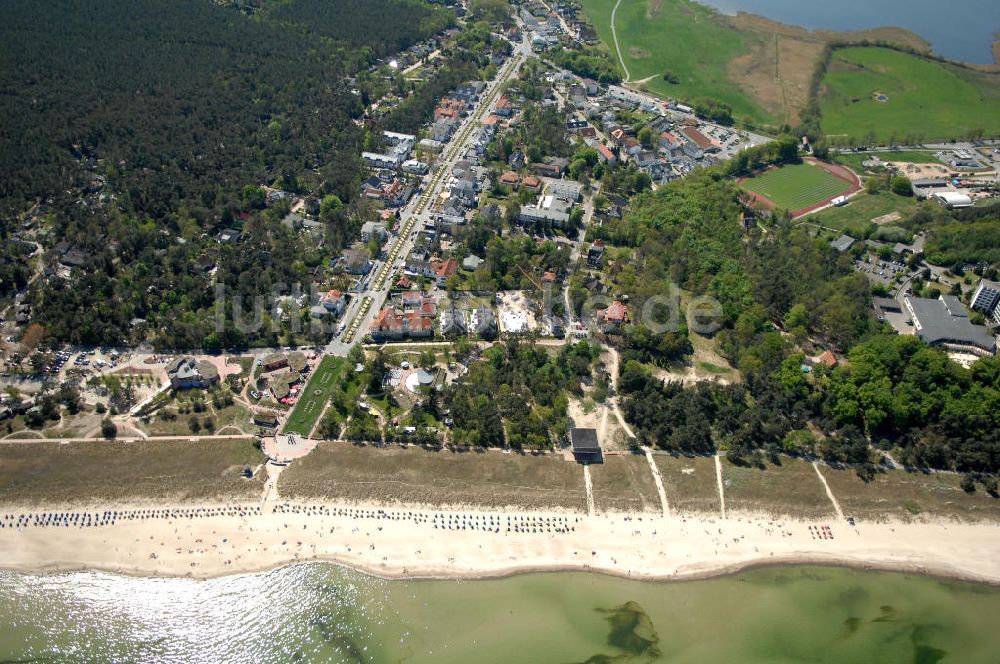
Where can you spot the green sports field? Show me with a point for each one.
(795, 186)
(315, 396)
(920, 98)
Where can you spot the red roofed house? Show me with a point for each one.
(606, 154)
(444, 269)
(449, 113)
(504, 107)
(389, 324)
(828, 359)
(698, 138)
(668, 140)
(614, 316)
(510, 178)
(548, 277)
(333, 301)
(532, 183)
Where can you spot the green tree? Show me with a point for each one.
(254, 198)
(645, 137)
(490, 10)
(901, 186)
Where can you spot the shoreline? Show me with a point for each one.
(889, 32)
(403, 544)
(943, 574)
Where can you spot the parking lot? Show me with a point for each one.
(881, 271)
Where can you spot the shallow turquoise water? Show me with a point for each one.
(321, 612)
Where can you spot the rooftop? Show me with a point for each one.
(944, 322)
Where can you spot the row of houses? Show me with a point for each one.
(401, 321)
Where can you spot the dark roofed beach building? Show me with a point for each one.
(586, 447)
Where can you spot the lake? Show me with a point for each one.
(959, 29)
(322, 612)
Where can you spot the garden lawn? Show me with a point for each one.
(316, 395)
(795, 186)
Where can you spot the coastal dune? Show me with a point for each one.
(402, 542)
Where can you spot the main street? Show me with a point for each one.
(365, 305)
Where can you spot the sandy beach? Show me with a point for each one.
(396, 542)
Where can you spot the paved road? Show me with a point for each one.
(366, 305)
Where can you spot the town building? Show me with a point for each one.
(614, 316)
(187, 372)
(392, 325)
(595, 254)
(484, 322)
(986, 299)
(843, 243)
(943, 322)
(453, 322)
(274, 361)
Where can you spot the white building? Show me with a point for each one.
(953, 199)
(986, 299)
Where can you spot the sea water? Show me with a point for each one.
(322, 612)
(957, 29)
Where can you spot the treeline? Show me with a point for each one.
(541, 133)
(517, 262)
(956, 238)
(14, 269)
(590, 63)
(903, 396)
(688, 233)
(783, 149)
(378, 28)
(713, 109)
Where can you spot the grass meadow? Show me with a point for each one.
(162, 470)
(492, 479)
(692, 41)
(923, 98)
(859, 213)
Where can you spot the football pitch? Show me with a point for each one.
(315, 396)
(796, 186)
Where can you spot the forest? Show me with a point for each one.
(898, 393)
(516, 396)
(137, 124)
(780, 291)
